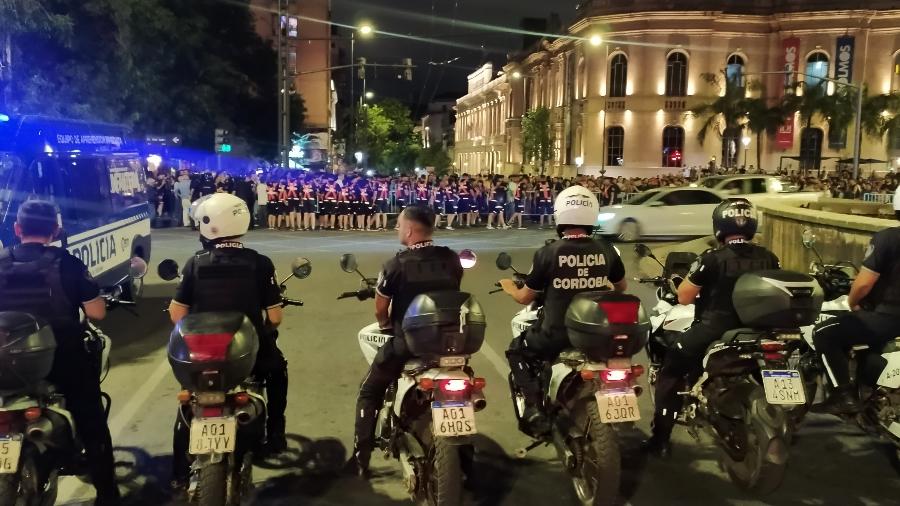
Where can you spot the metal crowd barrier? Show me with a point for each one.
(880, 198)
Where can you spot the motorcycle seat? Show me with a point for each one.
(571, 355)
(414, 364)
(740, 334)
(891, 346)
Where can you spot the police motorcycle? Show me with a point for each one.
(591, 389)
(879, 373)
(212, 355)
(39, 442)
(748, 384)
(428, 416)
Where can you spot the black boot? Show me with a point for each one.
(358, 465)
(842, 401)
(659, 444)
(535, 420)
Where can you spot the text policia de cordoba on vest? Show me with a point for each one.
(580, 267)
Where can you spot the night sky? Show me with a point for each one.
(448, 21)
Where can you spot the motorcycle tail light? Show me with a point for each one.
(184, 396)
(426, 384)
(769, 346)
(210, 398)
(7, 418)
(620, 312)
(613, 375)
(212, 411)
(588, 375)
(208, 347)
(479, 383)
(32, 414)
(773, 356)
(241, 398)
(637, 371)
(454, 385)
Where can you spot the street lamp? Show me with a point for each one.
(359, 157)
(596, 40)
(517, 75)
(370, 95)
(579, 161)
(365, 30)
(746, 142)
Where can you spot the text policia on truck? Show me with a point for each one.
(95, 178)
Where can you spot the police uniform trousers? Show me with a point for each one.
(683, 359)
(76, 376)
(270, 367)
(836, 336)
(527, 355)
(386, 368)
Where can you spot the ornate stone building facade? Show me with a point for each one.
(620, 86)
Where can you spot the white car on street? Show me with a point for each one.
(661, 212)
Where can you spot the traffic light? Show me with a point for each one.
(223, 141)
(407, 69)
(361, 68)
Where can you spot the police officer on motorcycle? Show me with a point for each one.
(422, 267)
(226, 276)
(556, 276)
(874, 319)
(709, 284)
(50, 283)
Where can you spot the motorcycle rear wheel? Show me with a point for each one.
(445, 484)
(755, 473)
(212, 484)
(35, 487)
(9, 489)
(597, 481)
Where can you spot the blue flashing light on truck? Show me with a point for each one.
(94, 176)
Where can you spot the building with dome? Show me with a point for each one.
(620, 85)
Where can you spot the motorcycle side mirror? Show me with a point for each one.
(467, 258)
(504, 261)
(642, 251)
(301, 267)
(549, 241)
(809, 238)
(167, 269)
(348, 263)
(138, 268)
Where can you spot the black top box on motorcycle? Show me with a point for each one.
(213, 351)
(606, 324)
(777, 299)
(444, 323)
(27, 346)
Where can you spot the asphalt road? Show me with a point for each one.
(830, 463)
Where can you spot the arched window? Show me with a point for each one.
(895, 73)
(731, 147)
(615, 146)
(816, 68)
(811, 148)
(672, 146)
(734, 71)
(676, 74)
(618, 75)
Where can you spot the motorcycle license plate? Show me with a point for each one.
(213, 435)
(617, 406)
(453, 418)
(783, 387)
(10, 449)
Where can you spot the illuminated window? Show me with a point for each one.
(734, 71)
(676, 75)
(816, 69)
(615, 146)
(672, 146)
(618, 75)
(811, 149)
(895, 73)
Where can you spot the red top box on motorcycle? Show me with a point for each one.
(444, 323)
(606, 324)
(27, 347)
(213, 351)
(777, 299)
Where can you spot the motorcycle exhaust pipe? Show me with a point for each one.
(39, 430)
(638, 390)
(478, 401)
(562, 449)
(246, 414)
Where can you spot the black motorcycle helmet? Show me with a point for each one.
(734, 217)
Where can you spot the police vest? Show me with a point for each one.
(574, 266)
(226, 280)
(423, 270)
(733, 261)
(36, 287)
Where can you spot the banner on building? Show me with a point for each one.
(843, 72)
(790, 49)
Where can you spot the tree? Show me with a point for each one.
(437, 157)
(724, 115)
(537, 143)
(761, 118)
(386, 135)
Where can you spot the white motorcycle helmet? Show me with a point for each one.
(221, 215)
(576, 206)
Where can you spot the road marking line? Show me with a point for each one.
(494, 358)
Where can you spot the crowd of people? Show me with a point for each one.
(301, 201)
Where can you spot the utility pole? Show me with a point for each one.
(284, 88)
